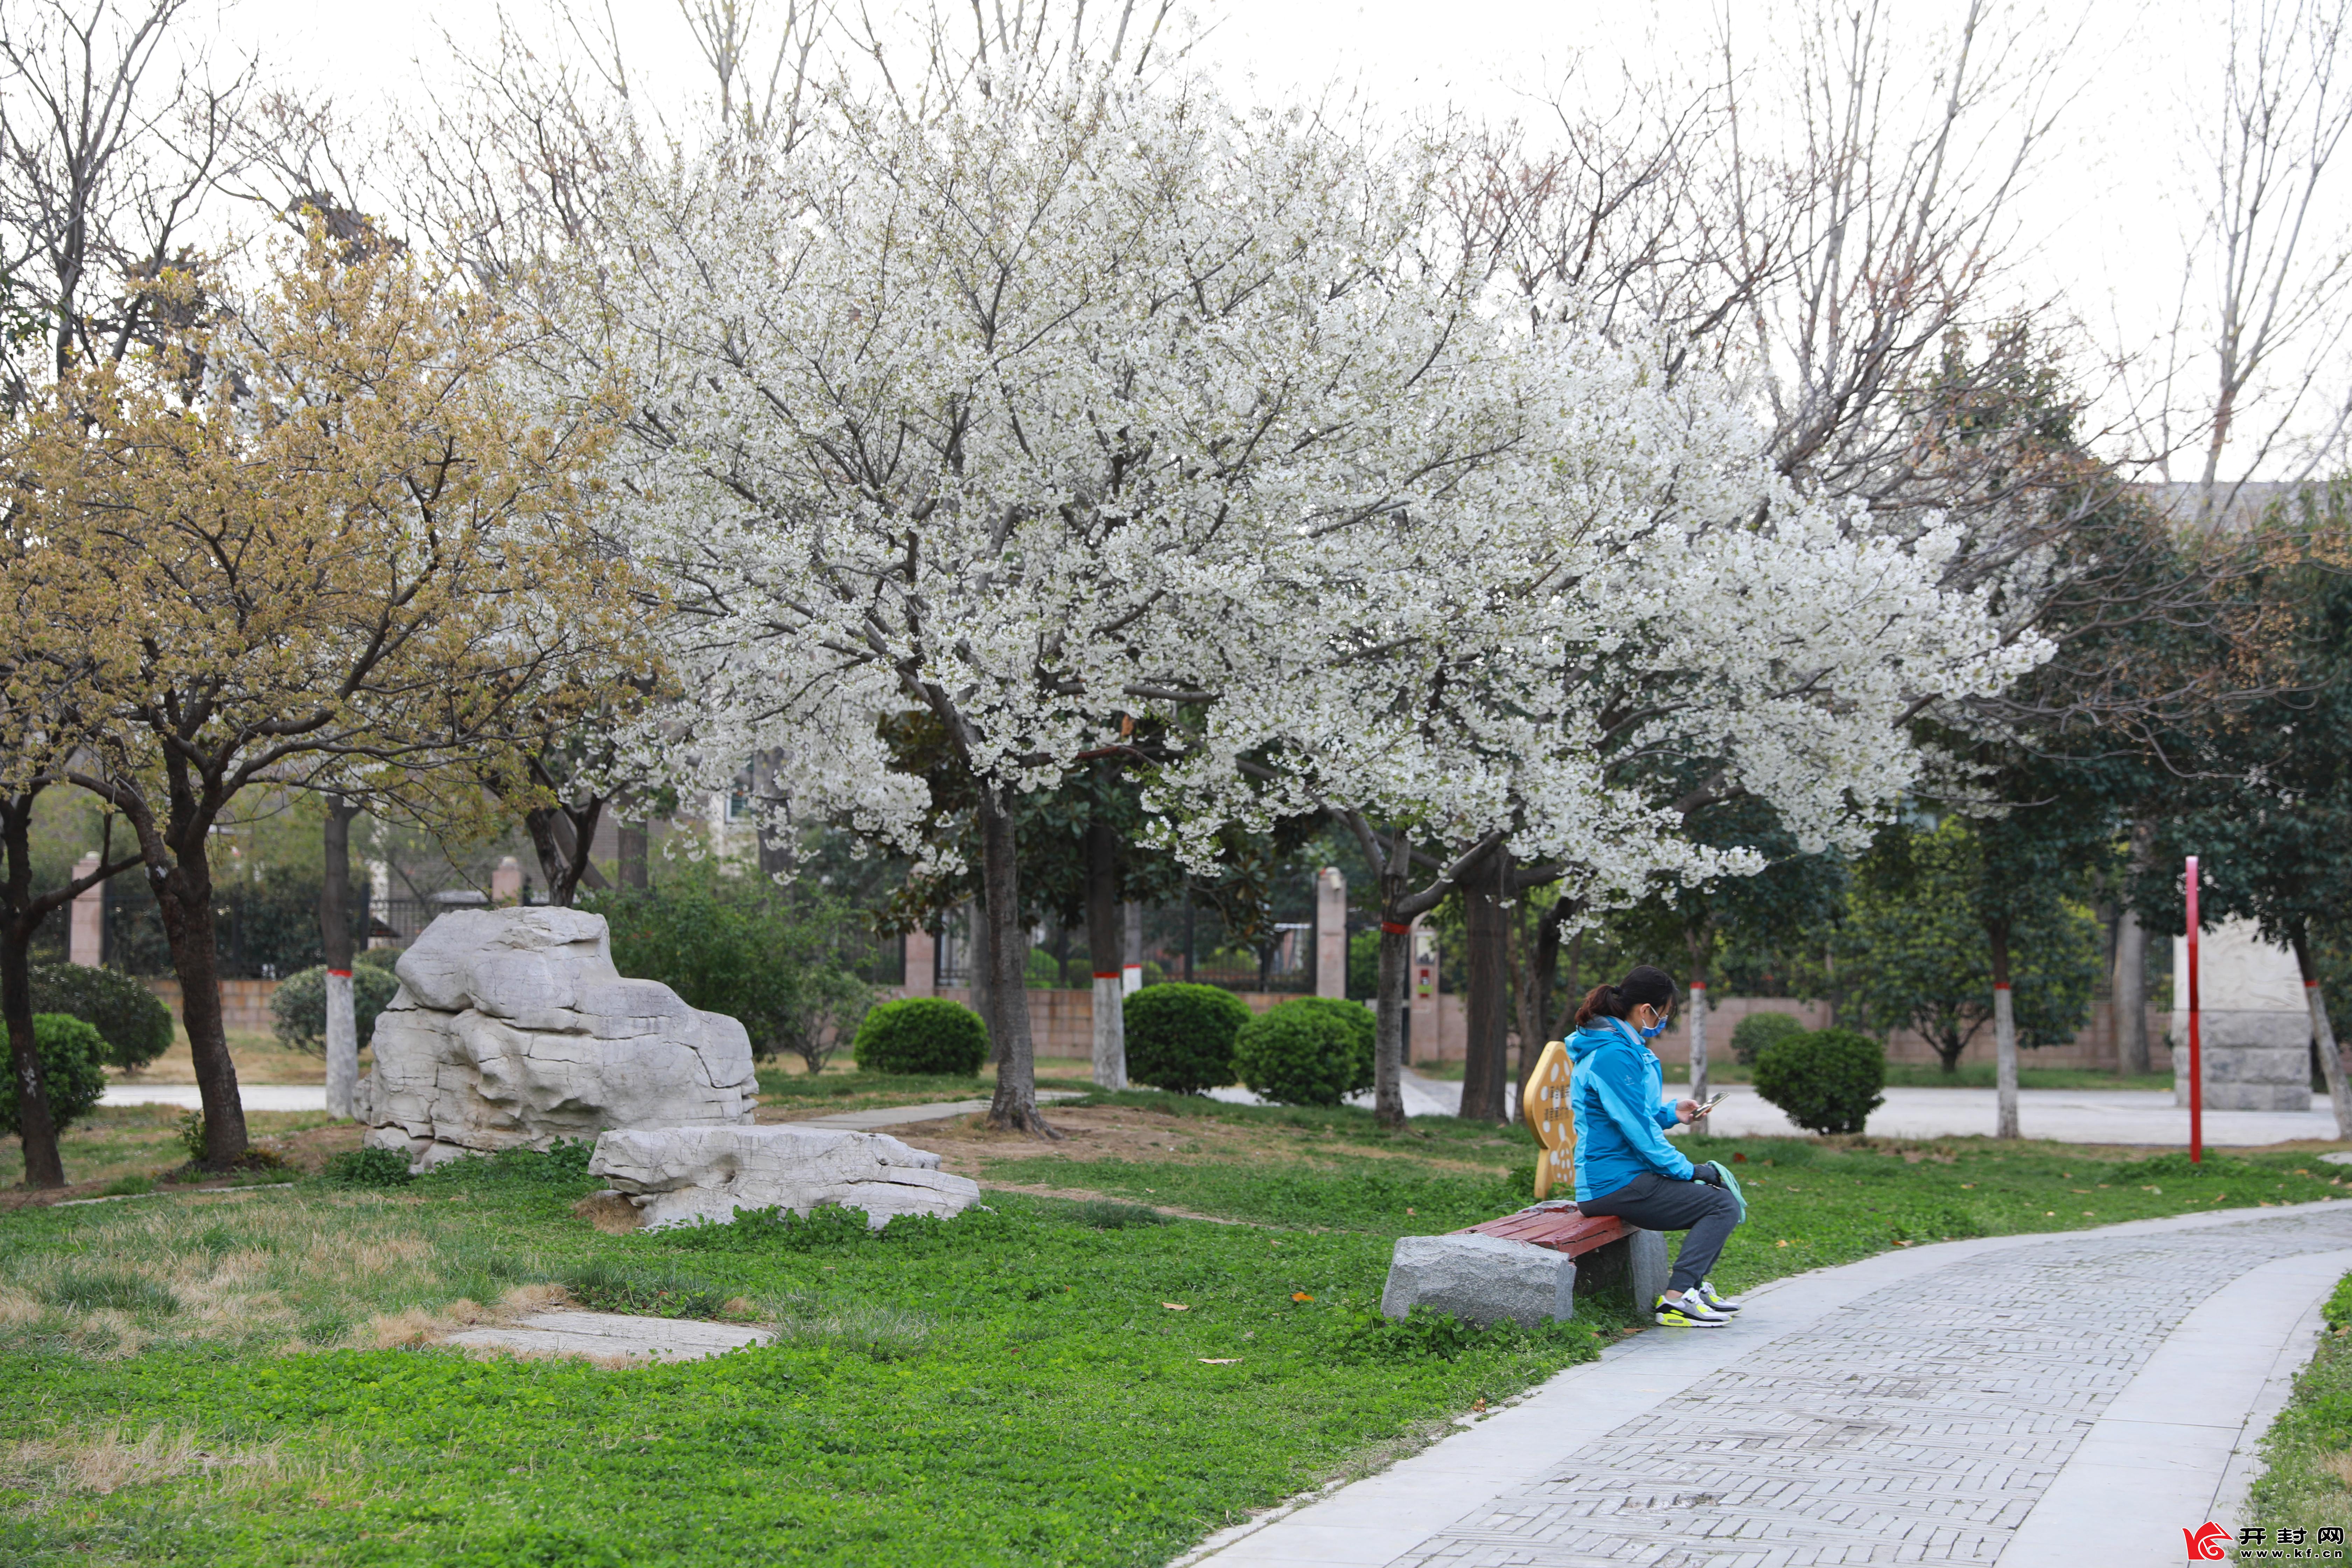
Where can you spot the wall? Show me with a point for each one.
(1061, 1023)
(245, 1003)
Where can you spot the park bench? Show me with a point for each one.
(1605, 1255)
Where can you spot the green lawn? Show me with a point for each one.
(239, 1378)
(2309, 1447)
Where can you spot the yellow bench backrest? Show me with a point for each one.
(1545, 1105)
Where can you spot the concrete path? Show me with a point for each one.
(2020, 1400)
(1422, 1096)
(255, 1096)
(612, 1335)
(2066, 1115)
(313, 1096)
(904, 1115)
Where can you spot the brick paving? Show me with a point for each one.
(1917, 1425)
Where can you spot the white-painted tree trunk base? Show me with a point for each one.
(342, 1045)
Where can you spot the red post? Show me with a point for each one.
(2196, 1061)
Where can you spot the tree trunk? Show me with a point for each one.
(630, 845)
(2004, 1034)
(335, 937)
(977, 974)
(1539, 978)
(1014, 1107)
(1485, 1066)
(1701, 943)
(2128, 1006)
(43, 1167)
(1948, 1050)
(185, 898)
(1105, 934)
(1388, 1034)
(2323, 1037)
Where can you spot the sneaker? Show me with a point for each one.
(1707, 1292)
(1690, 1312)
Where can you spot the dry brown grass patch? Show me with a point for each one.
(100, 1461)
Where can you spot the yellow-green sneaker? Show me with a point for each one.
(1689, 1312)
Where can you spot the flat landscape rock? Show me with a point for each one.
(614, 1336)
(1480, 1279)
(689, 1175)
(512, 1029)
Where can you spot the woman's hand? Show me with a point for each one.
(1685, 1111)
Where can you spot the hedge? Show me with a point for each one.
(921, 1034)
(1180, 1037)
(1827, 1080)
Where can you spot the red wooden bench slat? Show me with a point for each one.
(1560, 1229)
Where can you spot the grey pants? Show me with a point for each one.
(1660, 1203)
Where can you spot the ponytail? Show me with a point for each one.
(1600, 1002)
(1643, 984)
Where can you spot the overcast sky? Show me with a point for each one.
(2102, 228)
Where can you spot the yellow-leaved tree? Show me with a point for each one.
(330, 543)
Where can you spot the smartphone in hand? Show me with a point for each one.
(1709, 1104)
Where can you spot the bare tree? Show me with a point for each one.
(2248, 381)
(114, 132)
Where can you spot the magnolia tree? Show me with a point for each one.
(1581, 646)
(1009, 408)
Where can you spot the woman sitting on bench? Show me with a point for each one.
(1624, 1166)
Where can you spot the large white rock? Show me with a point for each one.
(688, 1176)
(511, 1029)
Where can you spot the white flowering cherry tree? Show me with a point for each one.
(995, 407)
(1587, 643)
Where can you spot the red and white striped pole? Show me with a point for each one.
(2196, 1059)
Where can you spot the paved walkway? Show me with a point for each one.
(2020, 1400)
(903, 1115)
(255, 1096)
(2065, 1115)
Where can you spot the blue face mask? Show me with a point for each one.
(1654, 1031)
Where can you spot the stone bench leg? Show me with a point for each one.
(1632, 1271)
(1480, 1279)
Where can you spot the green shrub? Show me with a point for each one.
(133, 1020)
(921, 1034)
(298, 1008)
(776, 959)
(1759, 1030)
(73, 1071)
(1360, 1026)
(1300, 1053)
(367, 1168)
(1826, 1079)
(1180, 1037)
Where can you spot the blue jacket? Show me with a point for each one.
(1620, 1123)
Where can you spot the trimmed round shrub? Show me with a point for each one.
(133, 1020)
(1826, 1079)
(298, 1008)
(1759, 1030)
(73, 1071)
(1297, 1054)
(921, 1034)
(1180, 1037)
(1358, 1018)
